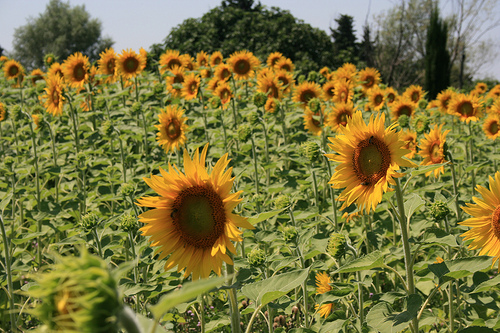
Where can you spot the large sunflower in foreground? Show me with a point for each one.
(369, 157)
(76, 69)
(485, 223)
(432, 149)
(172, 128)
(243, 64)
(53, 97)
(193, 220)
(130, 64)
(323, 286)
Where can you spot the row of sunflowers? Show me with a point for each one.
(328, 201)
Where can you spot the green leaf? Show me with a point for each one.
(423, 169)
(263, 216)
(147, 324)
(188, 291)
(459, 268)
(477, 329)
(435, 235)
(383, 318)
(487, 285)
(268, 290)
(369, 261)
(413, 203)
(5, 201)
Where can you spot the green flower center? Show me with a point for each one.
(466, 109)
(494, 128)
(199, 216)
(371, 160)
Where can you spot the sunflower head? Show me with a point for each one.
(190, 86)
(172, 128)
(223, 91)
(12, 69)
(433, 149)
(313, 122)
(339, 115)
(414, 93)
(284, 63)
(243, 64)
(272, 105)
(37, 75)
(491, 126)
(3, 112)
(130, 64)
(336, 245)
(273, 58)
(54, 99)
(192, 220)
(216, 59)
(402, 106)
(368, 78)
(466, 107)
(323, 286)
(76, 70)
(49, 59)
(306, 91)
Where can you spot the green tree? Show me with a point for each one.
(344, 40)
(437, 57)
(367, 48)
(60, 30)
(232, 27)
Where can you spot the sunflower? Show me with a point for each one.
(369, 157)
(54, 95)
(107, 64)
(174, 82)
(192, 220)
(270, 85)
(3, 112)
(414, 93)
(390, 95)
(344, 91)
(375, 99)
(12, 69)
(368, 78)
(306, 91)
(37, 75)
(75, 70)
(273, 58)
(213, 83)
(409, 137)
(325, 72)
(323, 286)
(284, 63)
(347, 72)
(223, 91)
(480, 88)
(55, 69)
(216, 59)
(286, 79)
(494, 92)
(49, 59)
(339, 115)
(169, 60)
(130, 64)
(271, 105)
(491, 126)
(243, 64)
(222, 72)
(485, 223)
(36, 120)
(172, 128)
(312, 122)
(190, 86)
(328, 90)
(432, 149)
(202, 59)
(402, 106)
(188, 62)
(466, 107)
(444, 98)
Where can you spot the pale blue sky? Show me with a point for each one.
(134, 24)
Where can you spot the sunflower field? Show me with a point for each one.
(227, 193)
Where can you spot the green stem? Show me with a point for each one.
(8, 272)
(75, 127)
(256, 178)
(146, 149)
(202, 313)
(128, 320)
(98, 242)
(223, 127)
(471, 154)
(15, 134)
(136, 89)
(406, 249)
(315, 189)
(455, 187)
(233, 300)
(122, 156)
(332, 195)
(360, 300)
(252, 319)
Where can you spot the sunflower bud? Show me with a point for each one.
(16, 112)
(127, 189)
(136, 108)
(128, 223)
(404, 121)
(100, 103)
(282, 201)
(158, 89)
(301, 78)
(312, 76)
(439, 211)
(107, 128)
(259, 99)
(336, 246)
(289, 233)
(310, 150)
(214, 102)
(314, 105)
(422, 103)
(79, 295)
(253, 118)
(9, 160)
(256, 257)
(421, 124)
(89, 221)
(244, 132)
(38, 120)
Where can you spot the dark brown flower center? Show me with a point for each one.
(493, 127)
(110, 65)
(79, 72)
(174, 129)
(174, 62)
(378, 99)
(199, 216)
(131, 64)
(306, 95)
(242, 67)
(13, 70)
(466, 109)
(495, 222)
(371, 160)
(404, 110)
(435, 153)
(343, 117)
(415, 96)
(55, 97)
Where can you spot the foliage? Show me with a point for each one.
(344, 40)
(60, 30)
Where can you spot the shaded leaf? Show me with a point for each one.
(369, 261)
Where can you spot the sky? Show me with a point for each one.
(135, 24)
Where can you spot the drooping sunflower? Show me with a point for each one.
(467, 107)
(270, 85)
(216, 59)
(368, 78)
(344, 91)
(284, 63)
(271, 105)
(169, 60)
(306, 91)
(339, 115)
(312, 122)
(190, 86)
(75, 70)
(55, 69)
(414, 93)
(243, 64)
(130, 64)
(402, 106)
(491, 126)
(376, 99)
(286, 79)
(174, 82)
(54, 99)
(432, 149)
(172, 128)
(444, 98)
(409, 137)
(325, 72)
(323, 286)
(369, 157)
(202, 59)
(192, 220)
(222, 72)
(223, 91)
(273, 58)
(485, 223)
(107, 65)
(36, 75)
(12, 69)
(328, 90)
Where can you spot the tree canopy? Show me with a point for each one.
(238, 25)
(60, 30)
